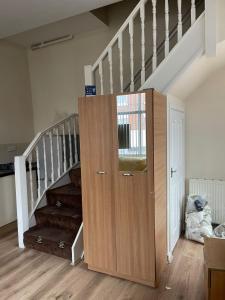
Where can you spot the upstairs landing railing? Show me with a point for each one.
(115, 69)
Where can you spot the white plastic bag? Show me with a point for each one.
(220, 231)
(198, 223)
(190, 207)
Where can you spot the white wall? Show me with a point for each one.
(205, 129)
(16, 116)
(56, 72)
(57, 78)
(220, 20)
(16, 119)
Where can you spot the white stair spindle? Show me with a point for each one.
(52, 159)
(110, 69)
(154, 27)
(142, 16)
(70, 142)
(120, 46)
(101, 77)
(45, 162)
(38, 172)
(180, 25)
(31, 181)
(58, 154)
(64, 148)
(167, 33)
(193, 12)
(131, 33)
(75, 139)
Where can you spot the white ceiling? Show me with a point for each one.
(17, 16)
(197, 73)
(75, 25)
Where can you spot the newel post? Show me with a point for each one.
(21, 198)
(88, 75)
(210, 28)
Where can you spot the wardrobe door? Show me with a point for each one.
(134, 197)
(95, 119)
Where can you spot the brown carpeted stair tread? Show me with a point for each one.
(51, 240)
(61, 217)
(67, 195)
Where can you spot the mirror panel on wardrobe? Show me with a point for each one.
(131, 123)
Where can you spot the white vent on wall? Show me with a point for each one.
(51, 42)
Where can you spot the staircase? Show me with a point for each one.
(58, 223)
(48, 192)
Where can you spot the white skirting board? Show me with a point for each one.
(214, 191)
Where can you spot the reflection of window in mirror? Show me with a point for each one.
(131, 122)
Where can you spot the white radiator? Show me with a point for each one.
(214, 190)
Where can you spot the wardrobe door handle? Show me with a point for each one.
(100, 172)
(128, 174)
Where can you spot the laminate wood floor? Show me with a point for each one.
(30, 274)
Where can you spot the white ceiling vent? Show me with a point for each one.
(51, 42)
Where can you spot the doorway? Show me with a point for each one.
(176, 174)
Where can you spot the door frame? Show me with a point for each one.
(173, 103)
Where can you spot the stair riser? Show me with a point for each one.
(75, 177)
(58, 221)
(65, 200)
(48, 247)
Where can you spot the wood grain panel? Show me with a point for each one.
(8, 228)
(124, 217)
(214, 250)
(217, 289)
(134, 216)
(95, 115)
(160, 180)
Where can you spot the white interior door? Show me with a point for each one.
(177, 176)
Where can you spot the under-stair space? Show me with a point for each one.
(58, 223)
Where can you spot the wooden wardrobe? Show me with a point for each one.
(124, 213)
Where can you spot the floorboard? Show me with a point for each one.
(33, 275)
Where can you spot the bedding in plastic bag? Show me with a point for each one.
(198, 219)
